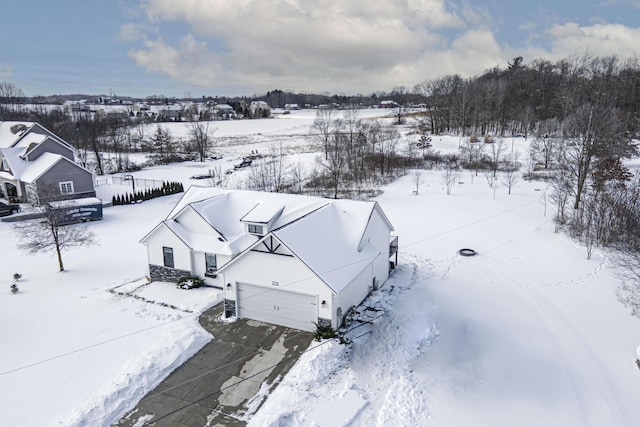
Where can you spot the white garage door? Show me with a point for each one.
(277, 306)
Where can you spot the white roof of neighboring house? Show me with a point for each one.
(325, 234)
(223, 107)
(25, 171)
(16, 163)
(34, 133)
(30, 138)
(34, 170)
(7, 137)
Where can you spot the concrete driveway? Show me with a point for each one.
(212, 388)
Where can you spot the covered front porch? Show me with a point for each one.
(12, 190)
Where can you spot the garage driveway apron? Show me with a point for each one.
(213, 386)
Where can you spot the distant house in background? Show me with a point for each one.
(259, 110)
(388, 104)
(291, 107)
(285, 259)
(223, 112)
(172, 112)
(37, 163)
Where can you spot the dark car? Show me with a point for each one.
(8, 209)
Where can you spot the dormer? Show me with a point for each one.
(260, 219)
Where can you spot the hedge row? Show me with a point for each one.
(148, 194)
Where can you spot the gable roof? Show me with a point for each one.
(34, 170)
(8, 134)
(325, 234)
(13, 156)
(34, 133)
(328, 242)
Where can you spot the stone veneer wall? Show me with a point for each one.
(159, 273)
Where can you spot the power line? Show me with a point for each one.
(40, 362)
(468, 224)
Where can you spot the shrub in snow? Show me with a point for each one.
(189, 282)
(324, 332)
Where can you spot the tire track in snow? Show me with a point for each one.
(550, 331)
(562, 313)
(536, 297)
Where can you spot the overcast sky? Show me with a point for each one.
(244, 47)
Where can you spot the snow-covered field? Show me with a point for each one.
(527, 332)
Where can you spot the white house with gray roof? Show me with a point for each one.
(286, 259)
(35, 161)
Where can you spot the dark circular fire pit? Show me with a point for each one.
(467, 252)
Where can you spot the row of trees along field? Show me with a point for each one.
(518, 98)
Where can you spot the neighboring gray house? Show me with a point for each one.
(35, 162)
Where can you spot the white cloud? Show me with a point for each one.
(299, 44)
(600, 40)
(343, 46)
(190, 63)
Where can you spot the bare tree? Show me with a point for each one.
(321, 129)
(11, 98)
(472, 151)
(272, 174)
(49, 233)
(417, 179)
(562, 185)
(594, 131)
(495, 153)
(201, 137)
(449, 176)
(510, 177)
(544, 145)
(492, 181)
(334, 164)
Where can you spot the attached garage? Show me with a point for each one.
(281, 307)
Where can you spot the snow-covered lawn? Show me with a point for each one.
(527, 332)
(71, 350)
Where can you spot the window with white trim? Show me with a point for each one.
(211, 263)
(66, 187)
(167, 255)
